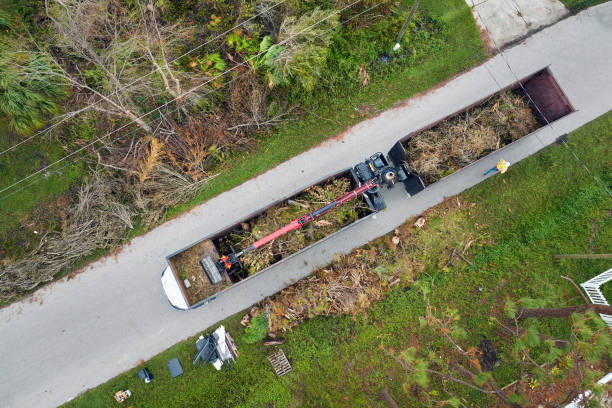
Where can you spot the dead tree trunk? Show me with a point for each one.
(562, 311)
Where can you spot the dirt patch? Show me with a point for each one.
(490, 48)
(560, 393)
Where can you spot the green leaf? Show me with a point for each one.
(257, 329)
(409, 354)
(453, 402)
(458, 333)
(529, 303)
(481, 379)
(232, 38)
(531, 338)
(511, 308)
(553, 353)
(265, 43)
(420, 376)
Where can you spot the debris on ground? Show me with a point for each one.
(187, 266)
(487, 355)
(351, 283)
(122, 395)
(279, 362)
(347, 286)
(217, 348)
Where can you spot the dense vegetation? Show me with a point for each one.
(287, 72)
(579, 5)
(508, 229)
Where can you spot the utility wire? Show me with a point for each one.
(173, 110)
(548, 123)
(181, 96)
(135, 81)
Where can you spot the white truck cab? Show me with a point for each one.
(173, 290)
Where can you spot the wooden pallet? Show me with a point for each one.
(279, 362)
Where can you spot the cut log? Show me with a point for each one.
(562, 311)
(274, 342)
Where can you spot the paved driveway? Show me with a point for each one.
(71, 336)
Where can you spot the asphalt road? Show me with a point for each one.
(73, 335)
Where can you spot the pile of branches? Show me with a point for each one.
(348, 286)
(279, 215)
(99, 219)
(463, 139)
(165, 187)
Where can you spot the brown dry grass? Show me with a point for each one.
(353, 282)
(163, 188)
(467, 137)
(99, 219)
(347, 286)
(152, 158)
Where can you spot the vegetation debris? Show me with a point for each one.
(469, 136)
(280, 215)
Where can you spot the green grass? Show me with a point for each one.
(544, 205)
(606, 290)
(14, 209)
(579, 5)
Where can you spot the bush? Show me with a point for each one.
(257, 330)
(29, 89)
(305, 45)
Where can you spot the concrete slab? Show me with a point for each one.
(117, 309)
(510, 20)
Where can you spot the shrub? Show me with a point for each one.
(257, 330)
(5, 20)
(29, 89)
(305, 45)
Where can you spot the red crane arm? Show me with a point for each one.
(298, 223)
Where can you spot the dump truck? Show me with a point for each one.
(217, 271)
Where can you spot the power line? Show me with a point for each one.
(67, 117)
(548, 123)
(177, 98)
(176, 109)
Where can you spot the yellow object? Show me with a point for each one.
(502, 166)
(121, 396)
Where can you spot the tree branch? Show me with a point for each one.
(562, 311)
(567, 278)
(520, 331)
(458, 380)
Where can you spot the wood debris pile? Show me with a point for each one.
(285, 212)
(465, 138)
(347, 286)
